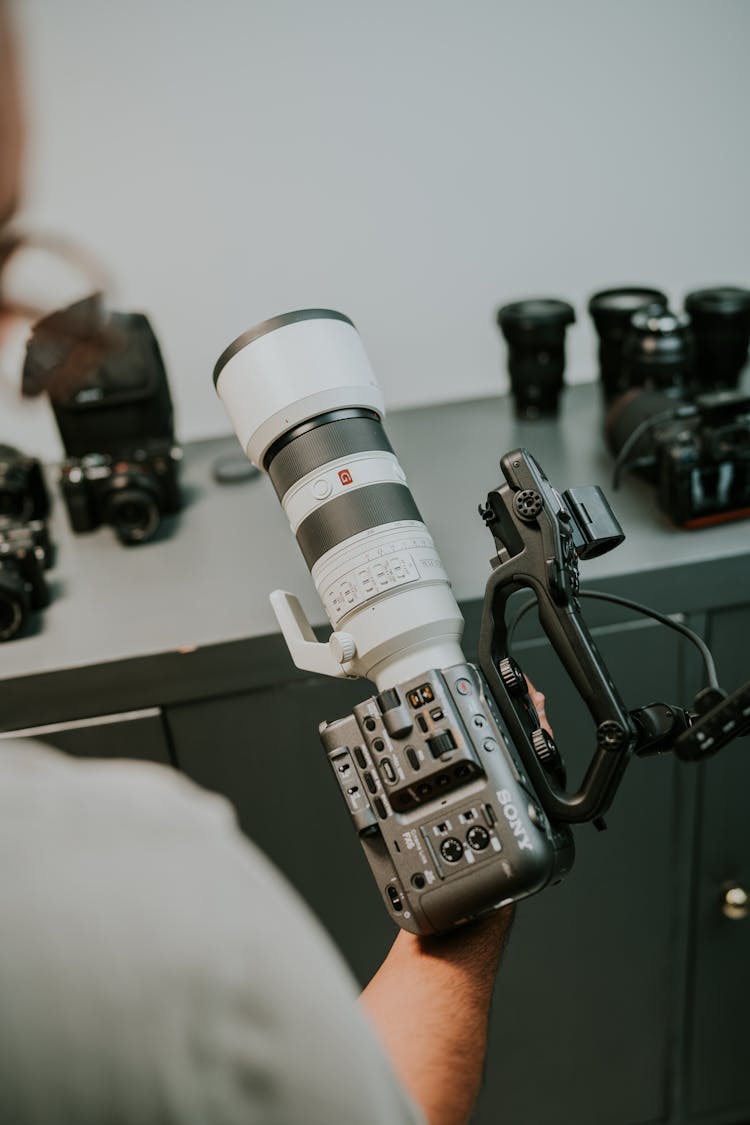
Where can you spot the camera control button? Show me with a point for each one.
(321, 488)
(478, 838)
(451, 849)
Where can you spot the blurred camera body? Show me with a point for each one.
(107, 385)
(25, 552)
(130, 493)
(23, 493)
(696, 452)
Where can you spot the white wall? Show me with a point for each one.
(413, 163)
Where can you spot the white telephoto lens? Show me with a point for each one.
(307, 410)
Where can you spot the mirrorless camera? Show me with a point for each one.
(108, 388)
(696, 451)
(25, 553)
(456, 791)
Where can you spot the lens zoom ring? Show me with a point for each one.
(318, 446)
(351, 514)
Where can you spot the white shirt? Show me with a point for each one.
(155, 968)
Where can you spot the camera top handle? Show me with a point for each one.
(539, 535)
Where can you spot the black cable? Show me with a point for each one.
(633, 438)
(662, 618)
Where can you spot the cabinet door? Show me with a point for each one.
(581, 1006)
(720, 1027)
(579, 1029)
(132, 734)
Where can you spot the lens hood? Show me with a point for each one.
(721, 301)
(292, 368)
(611, 307)
(535, 313)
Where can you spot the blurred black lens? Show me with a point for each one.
(133, 512)
(535, 334)
(721, 326)
(611, 310)
(657, 351)
(14, 502)
(14, 603)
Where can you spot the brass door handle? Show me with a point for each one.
(735, 903)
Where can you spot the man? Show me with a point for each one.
(155, 968)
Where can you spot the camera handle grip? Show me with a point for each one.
(536, 550)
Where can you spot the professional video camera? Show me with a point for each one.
(108, 388)
(456, 791)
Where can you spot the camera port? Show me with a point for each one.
(452, 849)
(418, 881)
(389, 772)
(478, 838)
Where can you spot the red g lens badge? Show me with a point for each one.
(345, 476)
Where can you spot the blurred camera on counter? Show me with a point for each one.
(674, 414)
(25, 547)
(106, 382)
(695, 450)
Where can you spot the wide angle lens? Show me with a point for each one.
(721, 326)
(535, 333)
(657, 351)
(611, 310)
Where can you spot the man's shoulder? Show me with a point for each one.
(132, 896)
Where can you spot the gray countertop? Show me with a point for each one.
(205, 581)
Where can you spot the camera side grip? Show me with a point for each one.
(539, 539)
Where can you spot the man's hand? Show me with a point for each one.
(430, 1003)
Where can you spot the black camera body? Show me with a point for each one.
(695, 451)
(25, 552)
(108, 388)
(23, 493)
(130, 493)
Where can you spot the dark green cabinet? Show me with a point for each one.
(719, 1030)
(582, 1000)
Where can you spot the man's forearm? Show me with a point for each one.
(430, 1003)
